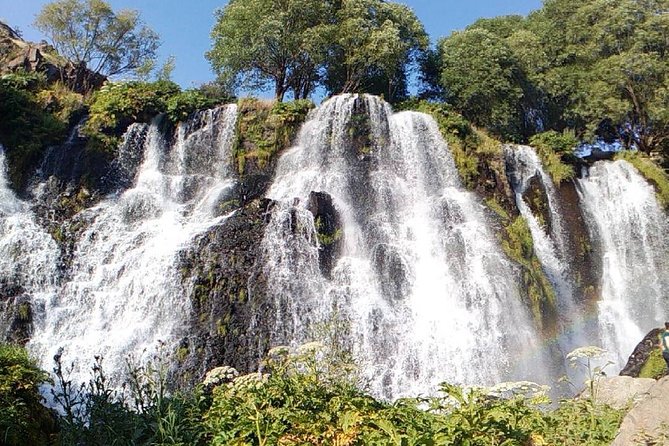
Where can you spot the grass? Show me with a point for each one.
(264, 128)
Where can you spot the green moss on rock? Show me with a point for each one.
(264, 128)
(655, 367)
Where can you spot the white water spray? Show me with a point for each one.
(623, 215)
(427, 292)
(124, 295)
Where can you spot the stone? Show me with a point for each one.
(328, 225)
(648, 421)
(642, 353)
(620, 392)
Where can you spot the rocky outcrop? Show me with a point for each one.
(226, 291)
(621, 392)
(18, 55)
(328, 225)
(642, 354)
(647, 423)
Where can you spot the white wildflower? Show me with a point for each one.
(219, 375)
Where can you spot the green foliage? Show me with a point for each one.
(264, 128)
(371, 44)
(182, 104)
(655, 367)
(23, 420)
(257, 42)
(89, 32)
(26, 127)
(480, 78)
(118, 104)
(552, 140)
(550, 146)
(651, 172)
(303, 396)
(99, 414)
(298, 44)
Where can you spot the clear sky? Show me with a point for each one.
(184, 25)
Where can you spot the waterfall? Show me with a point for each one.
(623, 215)
(29, 257)
(526, 171)
(426, 291)
(123, 294)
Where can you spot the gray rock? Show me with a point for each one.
(621, 392)
(648, 421)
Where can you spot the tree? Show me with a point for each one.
(612, 59)
(257, 43)
(373, 44)
(482, 80)
(91, 34)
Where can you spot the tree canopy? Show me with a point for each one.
(89, 32)
(297, 45)
(597, 67)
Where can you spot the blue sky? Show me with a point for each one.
(184, 26)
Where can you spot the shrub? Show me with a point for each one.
(23, 419)
(181, 105)
(118, 104)
(550, 147)
(555, 141)
(26, 128)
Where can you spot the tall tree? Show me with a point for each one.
(257, 43)
(374, 42)
(615, 53)
(90, 33)
(481, 78)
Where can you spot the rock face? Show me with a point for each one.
(648, 421)
(642, 353)
(620, 392)
(227, 294)
(18, 55)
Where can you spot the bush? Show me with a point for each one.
(26, 128)
(557, 142)
(118, 104)
(550, 147)
(23, 419)
(181, 105)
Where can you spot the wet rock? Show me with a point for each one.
(16, 314)
(329, 227)
(642, 353)
(227, 290)
(393, 271)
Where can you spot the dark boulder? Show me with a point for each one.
(329, 229)
(642, 354)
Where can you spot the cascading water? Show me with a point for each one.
(549, 238)
(123, 294)
(427, 293)
(29, 257)
(623, 215)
